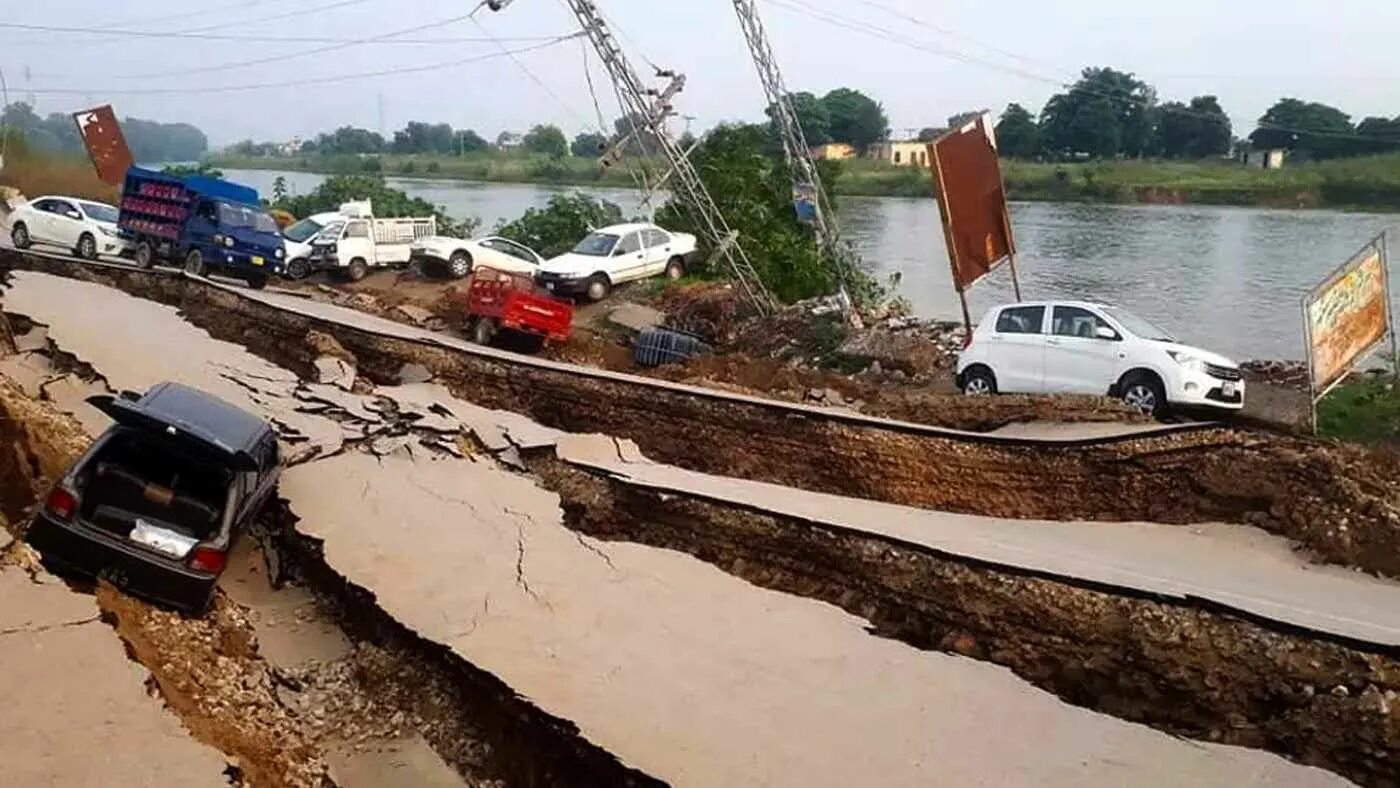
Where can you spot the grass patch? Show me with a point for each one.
(35, 174)
(1366, 412)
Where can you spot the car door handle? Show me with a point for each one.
(1052, 341)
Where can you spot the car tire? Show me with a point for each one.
(19, 236)
(145, 255)
(87, 247)
(598, 288)
(483, 330)
(1144, 392)
(979, 381)
(675, 268)
(298, 268)
(459, 264)
(194, 263)
(357, 270)
(256, 282)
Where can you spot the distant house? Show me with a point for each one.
(509, 140)
(833, 151)
(291, 148)
(1269, 159)
(903, 153)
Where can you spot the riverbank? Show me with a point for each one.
(1369, 183)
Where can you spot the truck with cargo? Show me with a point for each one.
(205, 224)
(363, 242)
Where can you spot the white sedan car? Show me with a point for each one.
(456, 257)
(1076, 347)
(85, 227)
(618, 254)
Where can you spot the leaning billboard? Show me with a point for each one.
(972, 200)
(1347, 316)
(102, 135)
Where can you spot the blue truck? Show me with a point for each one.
(205, 224)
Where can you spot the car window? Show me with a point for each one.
(357, 230)
(1073, 321)
(1021, 320)
(302, 230)
(100, 212)
(631, 243)
(655, 238)
(47, 206)
(596, 245)
(511, 248)
(62, 208)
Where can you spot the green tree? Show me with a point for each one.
(419, 137)
(566, 219)
(640, 143)
(1106, 113)
(279, 188)
(812, 116)
(340, 189)
(1017, 135)
(468, 141)
(349, 140)
(1195, 131)
(589, 143)
(1306, 128)
(930, 133)
(963, 118)
(1378, 135)
(546, 139)
(855, 118)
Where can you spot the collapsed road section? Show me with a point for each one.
(689, 674)
(1339, 502)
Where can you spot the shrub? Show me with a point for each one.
(555, 229)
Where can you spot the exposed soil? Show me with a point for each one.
(1339, 502)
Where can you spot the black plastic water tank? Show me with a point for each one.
(657, 346)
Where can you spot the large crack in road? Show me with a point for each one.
(1164, 664)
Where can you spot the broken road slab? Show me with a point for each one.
(77, 713)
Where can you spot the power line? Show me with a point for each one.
(299, 82)
(237, 23)
(298, 54)
(528, 73)
(265, 39)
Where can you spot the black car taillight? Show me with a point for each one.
(61, 503)
(208, 559)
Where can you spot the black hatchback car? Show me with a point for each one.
(156, 502)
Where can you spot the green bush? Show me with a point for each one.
(408, 167)
(561, 224)
(388, 202)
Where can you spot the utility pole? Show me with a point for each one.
(648, 110)
(805, 177)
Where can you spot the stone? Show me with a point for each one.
(335, 372)
(636, 317)
(415, 314)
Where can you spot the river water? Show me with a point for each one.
(1230, 279)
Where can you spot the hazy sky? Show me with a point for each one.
(1249, 53)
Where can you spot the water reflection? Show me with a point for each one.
(1229, 278)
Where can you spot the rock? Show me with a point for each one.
(636, 317)
(335, 372)
(416, 315)
(875, 368)
(327, 345)
(414, 373)
(910, 351)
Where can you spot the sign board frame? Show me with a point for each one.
(101, 134)
(1379, 246)
(946, 210)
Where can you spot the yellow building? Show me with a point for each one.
(904, 153)
(834, 151)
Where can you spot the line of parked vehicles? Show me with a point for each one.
(208, 225)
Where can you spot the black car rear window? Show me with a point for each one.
(136, 476)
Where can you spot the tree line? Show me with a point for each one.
(1109, 114)
(149, 140)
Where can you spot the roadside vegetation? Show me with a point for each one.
(558, 227)
(1367, 412)
(34, 172)
(388, 202)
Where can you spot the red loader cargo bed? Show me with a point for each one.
(501, 300)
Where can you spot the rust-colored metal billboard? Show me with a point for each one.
(102, 135)
(1347, 316)
(972, 201)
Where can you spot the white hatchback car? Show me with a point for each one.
(85, 227)
(1075, 347)
(617, 254)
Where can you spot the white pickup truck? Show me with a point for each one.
(364, 242)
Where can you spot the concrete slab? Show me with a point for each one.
(291, 631)
(77, 712)
(636, 316)
(695, 676)
(1235, 566)
(409, 761)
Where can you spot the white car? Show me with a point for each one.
(297, 237)
(457, 257)
(85, 227)
(1078, 347)
(617, 254)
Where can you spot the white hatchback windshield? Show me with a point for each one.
(1138, 326)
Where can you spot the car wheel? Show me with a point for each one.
(675, 269)
(459, 265)
(483, 330)
(145, 255)
(979, 382)
(598, 288)
(357, 270)
(1144, 393)
(20, 236)
(298, 268)
(256, 282)
(87, 247)
(194, 263)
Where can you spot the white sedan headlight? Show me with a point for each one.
(105, 230)
(1187, 360)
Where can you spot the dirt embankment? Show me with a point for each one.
(1183, 669)
(1341, 503)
